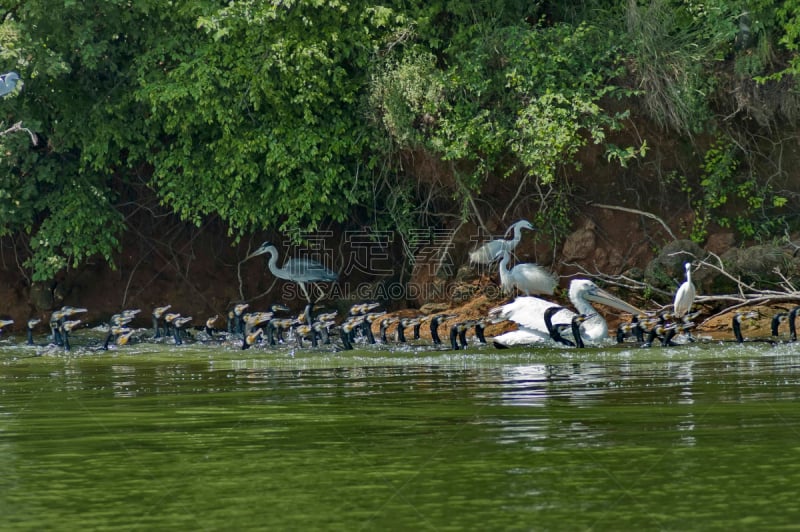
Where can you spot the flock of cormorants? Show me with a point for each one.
(276, 327)
(264, 328)
(538, 321)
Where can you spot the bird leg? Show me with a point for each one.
(305, 292)
(322, 293)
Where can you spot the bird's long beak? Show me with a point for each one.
(605, 298)
(256, 253)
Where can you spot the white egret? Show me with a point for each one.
(528, 312)
(300, 271)
(493, 250)
(527, 278)
(684, 297)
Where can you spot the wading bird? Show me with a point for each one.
(493, 250)
(527, 278)
(684, 297)
(8, 82)
(300, 271)
(528, 313)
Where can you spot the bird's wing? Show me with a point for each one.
(536, 278)
(487, 253)
(684, 298)
(520, 337)
(528, 313)
(308, 270)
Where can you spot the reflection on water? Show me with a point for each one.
(694, 437)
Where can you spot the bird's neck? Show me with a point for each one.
(504, 269)
(582, 306)
(595, 327)
(737, 329)
(273, 257)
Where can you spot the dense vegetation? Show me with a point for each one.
(288, 115)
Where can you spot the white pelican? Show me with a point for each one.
(528, 313)
(492, 250)
(527, 278)
(684, 297)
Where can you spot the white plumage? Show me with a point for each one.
(528, 313)
(493, 250)
(527, 278)
(684, 297)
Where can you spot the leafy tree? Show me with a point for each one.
(262, 120)
(289, 114)
(73, 58)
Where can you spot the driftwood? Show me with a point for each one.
(748, 295)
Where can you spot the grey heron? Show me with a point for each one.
(528, 313)
(684, 297)
(300, 271)
(8, 83)
(493, 250)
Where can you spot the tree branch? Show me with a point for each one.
(18, 127)
(635, 211)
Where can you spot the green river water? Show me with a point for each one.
(156, 437)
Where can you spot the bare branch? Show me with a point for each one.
(18, 127)
(636, 211)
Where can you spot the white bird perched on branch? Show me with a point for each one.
(684, 297)
(527, 278)
(493, 250)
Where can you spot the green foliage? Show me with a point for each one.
(673, 47)
(722, 184)
(287, 115)
(787, 19)
(510, 99)
(74, 59)
(82, 224)
(408, 95)
(262, 117)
